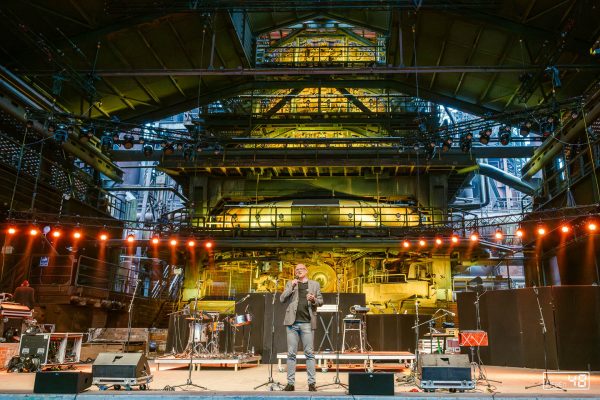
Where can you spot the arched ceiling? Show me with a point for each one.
(476, 56)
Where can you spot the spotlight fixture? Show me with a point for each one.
(169, 149)
(77, 234)
(208, 245)
(565, 228)
(454, 238)
(592, 226)
(519, 233)
(34, 231)
(60, 133)
(191, 243)
(11, 230)
(173, 242)
(525, 128)
(155, 240)
(128, 142)
(56, 233)
(430, 149)
(541, 230)
(115, 137)
(499, 234)
(466, 142)
(106, 143)
(447, 144)
(148, 150)
(130, 238)
(103, 237)
(406, 244)
(505, 133)
(422, 243)
(188, 153)
(474, 237)
(484, 136)
(438, 241)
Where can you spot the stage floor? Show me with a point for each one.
(226, 383)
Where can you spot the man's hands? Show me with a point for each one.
(294, 283)
(311, 297)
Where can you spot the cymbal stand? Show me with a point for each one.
(336, 380)
(270, 383)
(185, 386)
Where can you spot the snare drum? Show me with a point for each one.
(216, 326)
(241, 320)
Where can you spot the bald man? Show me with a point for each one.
(302, 297)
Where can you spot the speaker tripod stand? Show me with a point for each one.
(189, 384)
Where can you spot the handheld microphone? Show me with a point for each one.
(451, 313)
(246, 297)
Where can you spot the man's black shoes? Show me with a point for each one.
(311, 387)
(288, 388)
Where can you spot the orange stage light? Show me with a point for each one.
(519, 233)
(499, 235)
(565, 229)
(103, 237)
(56, 233)
(208, 244)
(438, 241)
(406, 244)
(77, 235)
(155, 240)
(34, 231)
(474, 237)
(454, 239)
(12, 230)
(592, 227)
(541, 231)
(173, 242)
(191, 243)
(422, 243)
(130, 238)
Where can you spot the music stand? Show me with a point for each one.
(546, 382)
(189, 382)
(270, 383)
(336, 379)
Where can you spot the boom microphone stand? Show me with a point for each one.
(137, 283)
(546, 383)
(270, 383)
(189, 382)
(336, 380)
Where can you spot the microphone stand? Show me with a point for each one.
(270, 383)
(189, 382)
(546, 383)
(411, 379)
(137, 283)
(336, 380)
(476, 363)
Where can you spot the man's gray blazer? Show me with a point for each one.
(290, 297)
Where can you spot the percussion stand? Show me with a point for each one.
(270, 383)
(476, 362)
(546, 383)
(336, 380)
(185, 386)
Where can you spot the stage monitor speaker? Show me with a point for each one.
(445, 368)
(62, 382)
(120, 365)
(380, 383)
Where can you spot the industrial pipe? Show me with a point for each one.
(500, 176)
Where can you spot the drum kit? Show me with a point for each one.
(205, 328)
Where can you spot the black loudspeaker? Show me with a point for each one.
(120, 365)
(62, 382)
(380, 383)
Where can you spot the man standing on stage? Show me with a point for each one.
(302, 296)
(25, 295)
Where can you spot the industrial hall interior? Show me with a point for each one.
(325, 197)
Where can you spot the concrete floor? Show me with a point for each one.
(243, 381)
